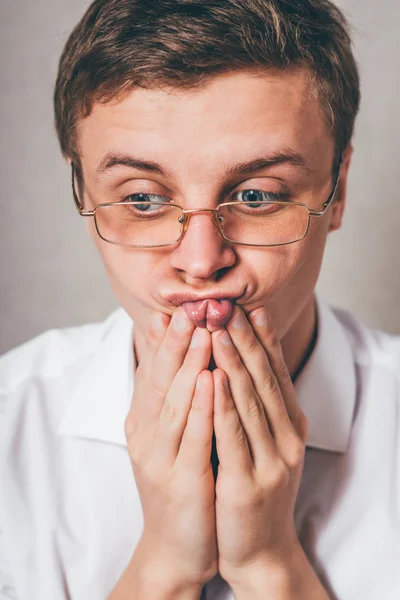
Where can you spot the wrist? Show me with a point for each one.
(161, 577)
(164, 581)
(147, 582)
(292, 578)
(262, 580)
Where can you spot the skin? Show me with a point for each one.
(198, 135)
(261, 432)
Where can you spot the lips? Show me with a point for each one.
(211, 309)
(209, 312)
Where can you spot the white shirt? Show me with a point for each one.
(70, 513)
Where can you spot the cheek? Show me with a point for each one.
(272, 268)
(286, 270)
(129, 271)
(128, 268)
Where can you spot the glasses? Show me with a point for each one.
(150, 224)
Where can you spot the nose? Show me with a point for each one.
(202, 252)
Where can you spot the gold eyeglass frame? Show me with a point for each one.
(218, 218)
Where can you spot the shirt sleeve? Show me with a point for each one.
(7, 589)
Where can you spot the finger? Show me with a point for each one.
(267, 336)
(232, 443)
(175, 410)
(167, 349)
(167, 361)
(150, 343)
(195, 449)
(155, 332)
(256, 361)
(247, 401)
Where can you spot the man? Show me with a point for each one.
(225, 433)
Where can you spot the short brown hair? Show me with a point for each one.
(123, 44)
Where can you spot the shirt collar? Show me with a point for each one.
(325, 388)
(101, 397)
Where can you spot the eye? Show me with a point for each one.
(146, 199)
(256, 197)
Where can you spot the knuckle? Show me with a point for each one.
(254, 408)
(134, 453)
(278, 476)
(149, 476)
(271, 340)
(258, 497)
(302, 426)
(253, 344)
(157, 388)
(240, 438)
(283, 374)
(295, 454)
(170, 411)
(270, 383)
(134, 450)
(130, 427)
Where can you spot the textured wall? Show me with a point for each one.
(50, 275)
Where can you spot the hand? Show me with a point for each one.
(169, 433)
(260, 434)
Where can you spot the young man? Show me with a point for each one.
(225, 433)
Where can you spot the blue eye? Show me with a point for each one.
(147, 199)
(252, 196)
(139, 197)
(257, 197)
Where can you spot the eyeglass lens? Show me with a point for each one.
(157, 223)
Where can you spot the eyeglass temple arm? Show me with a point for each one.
(326, 204)
(78, 203)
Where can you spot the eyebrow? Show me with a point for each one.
(115, 159)
(276, 158)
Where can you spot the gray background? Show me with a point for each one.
(50, 275)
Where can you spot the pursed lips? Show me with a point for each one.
(211, 312)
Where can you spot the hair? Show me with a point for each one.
(124, 44)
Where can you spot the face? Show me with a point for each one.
(199, 139)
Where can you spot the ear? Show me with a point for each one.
(339, 203)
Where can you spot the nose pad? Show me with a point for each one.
(219, 221)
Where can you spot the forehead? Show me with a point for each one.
(234, 112)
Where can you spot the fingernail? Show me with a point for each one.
(238, 321)
(180, 321)
(156, 321)
(261, 319)
(225, 338)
